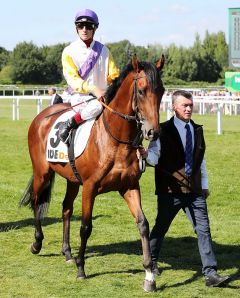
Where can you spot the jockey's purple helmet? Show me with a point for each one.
(87, 15)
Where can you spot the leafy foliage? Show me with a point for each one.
(205, 61)
(6, 75)
(52, 65)
(4, 57)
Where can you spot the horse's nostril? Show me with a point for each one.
(150, 133)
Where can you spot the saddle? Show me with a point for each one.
(57, 151)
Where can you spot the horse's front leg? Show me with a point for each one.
(71, 193)
(88, 197)
(133, 199)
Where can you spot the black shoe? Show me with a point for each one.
(215, 280)
(155, 269)
(65, 128)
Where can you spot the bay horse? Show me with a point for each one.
(108, 163)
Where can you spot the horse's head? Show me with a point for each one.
(147, 95)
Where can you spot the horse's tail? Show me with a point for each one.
(44, 198)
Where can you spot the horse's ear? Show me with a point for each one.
(160, 63)
(135, 63)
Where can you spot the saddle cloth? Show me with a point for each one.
(56, 150)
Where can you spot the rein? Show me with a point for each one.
(124, 116)
(178, 180)
(137, 141)
(139, 137)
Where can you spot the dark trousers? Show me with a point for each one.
(195, 208)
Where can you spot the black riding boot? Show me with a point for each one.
(65, 129)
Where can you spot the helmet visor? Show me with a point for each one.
(84, 20)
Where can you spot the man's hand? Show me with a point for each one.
(98, 92)
(141, 151)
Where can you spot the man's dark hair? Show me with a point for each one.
(183, 93)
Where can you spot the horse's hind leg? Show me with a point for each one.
(133, 199)
(42, 186)
(71, 193)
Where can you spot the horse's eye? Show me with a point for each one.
(141, 92)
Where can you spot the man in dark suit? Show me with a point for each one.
(182, 183)
(55, 97)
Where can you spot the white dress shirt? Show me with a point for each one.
(52, 99)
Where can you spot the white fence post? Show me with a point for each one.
(14, 110)
(17, 108)
(219, 119)
(169, 111)
(200, 108)
(203, 107)
(39, 105)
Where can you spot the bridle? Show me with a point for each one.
(137, 118)
(137, 141)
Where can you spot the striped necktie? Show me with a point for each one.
(188, 151)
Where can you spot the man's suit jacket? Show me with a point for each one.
(170, 171)
(57, 99)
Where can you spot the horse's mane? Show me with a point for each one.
(150, 69)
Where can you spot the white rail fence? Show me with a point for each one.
(218, 105)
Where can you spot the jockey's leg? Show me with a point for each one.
(92, 110)
(67, 126)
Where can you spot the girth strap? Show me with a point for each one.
(71, 155)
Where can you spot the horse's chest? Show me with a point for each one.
(125, 172)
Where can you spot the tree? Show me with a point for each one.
(204, 53)
(155, 52)
(27, 62)
(205, 61)
(121, 52)
(6, 75)
(211, 67)
(221, 50)
(52, 63)
(4, 57)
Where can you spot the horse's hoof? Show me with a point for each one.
(81, 277)
(149, 286)
(35, 250)
(81, 274)
(67, 254)
(71, 261)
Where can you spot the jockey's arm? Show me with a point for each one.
(70, 72)
(113, 71)
(72, 77)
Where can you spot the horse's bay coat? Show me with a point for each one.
(109, 162)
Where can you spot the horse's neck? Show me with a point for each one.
(122, 104)
(122, 101)
(122, 129)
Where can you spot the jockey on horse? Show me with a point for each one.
(88, 68)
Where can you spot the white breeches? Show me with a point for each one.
(87, 109)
